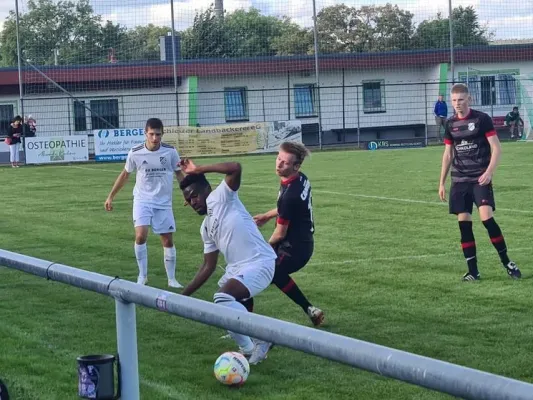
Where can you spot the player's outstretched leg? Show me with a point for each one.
(498, 241)
(232, 294)
(287, 285)
(141, 253)
(227, 300)
(468, 243)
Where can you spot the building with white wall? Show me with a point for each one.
(358, 91)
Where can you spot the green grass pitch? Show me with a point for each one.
(386, 269)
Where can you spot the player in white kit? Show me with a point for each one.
(156, 164)
(229, 228)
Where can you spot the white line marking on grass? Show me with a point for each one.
(363, 196)
(97, 169)
(396, 199)
(407, 257)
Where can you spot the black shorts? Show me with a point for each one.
(292, 258)
(463, 196)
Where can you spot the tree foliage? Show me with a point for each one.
(79, 36)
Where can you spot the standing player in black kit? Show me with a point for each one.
(472, 149)
(292, 238)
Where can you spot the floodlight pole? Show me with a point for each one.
(174, 67)
(19, 57)
(315, 34)
(452, 64)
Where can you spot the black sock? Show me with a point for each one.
(468, 243)
(291, 289)
(248, 303)
(496, 237)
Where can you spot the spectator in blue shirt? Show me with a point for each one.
(441, 114)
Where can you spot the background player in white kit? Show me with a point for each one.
(156, 164)
(229, 228)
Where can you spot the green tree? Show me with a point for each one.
(344, 29)
(244, 33)
(206, 38)
(467, 31)
(78, 35)
(8, 42)
(142, 43)
(292, 40)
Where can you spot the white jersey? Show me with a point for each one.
(155, 174)
(228, 227)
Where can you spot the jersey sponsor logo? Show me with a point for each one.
(214, 228)
(305, 191)
(145, 162)
(471, 126)
(465, 145)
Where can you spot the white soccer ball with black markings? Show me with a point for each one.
(232, 369)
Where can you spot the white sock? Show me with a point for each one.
(141, 254)
(170, 262)
(243, 341)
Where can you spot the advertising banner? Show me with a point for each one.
(242, 138)
(395, 144)
(114, 144)
(192, 141)
(57, 149)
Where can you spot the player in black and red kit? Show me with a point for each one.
(292, 238)
(473, 150)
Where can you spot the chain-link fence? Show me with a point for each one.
(346, 69)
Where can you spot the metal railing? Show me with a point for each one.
(426, 372)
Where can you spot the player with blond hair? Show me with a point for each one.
(292, 238)
(472, 150)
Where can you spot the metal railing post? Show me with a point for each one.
(127, 349)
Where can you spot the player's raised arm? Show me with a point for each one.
(232, 170)
(203, 274)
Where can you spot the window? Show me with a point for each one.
(80, 116)
(104, 114)
(373, 97)
(491, 88)
(6, 116)
(304, 101)
(236, 104)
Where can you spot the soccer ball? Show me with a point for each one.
(232, 369)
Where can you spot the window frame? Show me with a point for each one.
(244, 99)
(313, 94)
(15, 110)
(382, 107)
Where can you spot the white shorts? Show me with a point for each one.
(256, 277)
(161, 220)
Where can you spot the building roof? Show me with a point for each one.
(267, 65)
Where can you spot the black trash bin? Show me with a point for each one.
(96, 378)
(4, 395)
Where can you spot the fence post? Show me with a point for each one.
(263, 102)
(127, 349)
(69, 118)
(492, 92)
(426, 111)
(358, 122)
(343, 109)
(288, 95)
